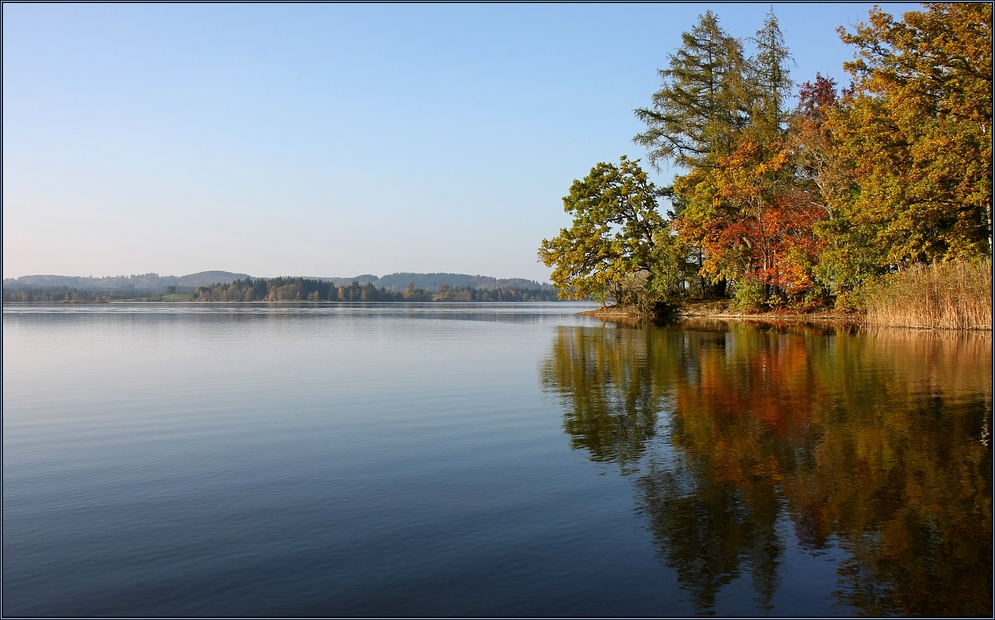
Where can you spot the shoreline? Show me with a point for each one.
(631, 315)
(621, 313)
(715, 311)
(852, 319)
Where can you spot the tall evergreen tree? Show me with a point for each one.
(699, 106)
(770, 80)
(695, 119)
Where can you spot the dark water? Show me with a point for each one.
(432, 459)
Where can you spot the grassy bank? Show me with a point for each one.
(954, 295)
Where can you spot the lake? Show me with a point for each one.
(488, 459)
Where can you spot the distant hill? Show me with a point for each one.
(338, 281)
(148, 282)
(154, 283)
(431, 281)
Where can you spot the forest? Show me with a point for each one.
(801, 196)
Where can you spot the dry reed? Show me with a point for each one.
(953, 295)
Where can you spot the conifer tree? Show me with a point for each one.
(770, 81)
(699, 106)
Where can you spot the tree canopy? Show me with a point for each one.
(915, 130)
(612, 251)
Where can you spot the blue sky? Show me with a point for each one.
(331, 139)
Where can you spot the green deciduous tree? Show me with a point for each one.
(618, 242)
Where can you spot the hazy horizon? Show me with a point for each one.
(332, 138)
(242, 273)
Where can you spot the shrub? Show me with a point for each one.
(749, 296)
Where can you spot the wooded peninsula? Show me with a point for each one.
(873, 199)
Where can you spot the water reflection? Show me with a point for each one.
(875, 443)
(510, 312)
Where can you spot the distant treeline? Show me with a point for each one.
(432, 281)
(146, 282)
(281, 289)
(62, 294)
(290, 289)
(151, 283)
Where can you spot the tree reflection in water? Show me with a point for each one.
(878, 443)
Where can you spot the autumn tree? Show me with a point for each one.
(743, 207)
(695, 116)
(839, 252)
(808, 204)
(916, 132)
(723, 118)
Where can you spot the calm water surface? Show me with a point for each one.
(433, 459)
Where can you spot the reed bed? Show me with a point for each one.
(952, 295)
